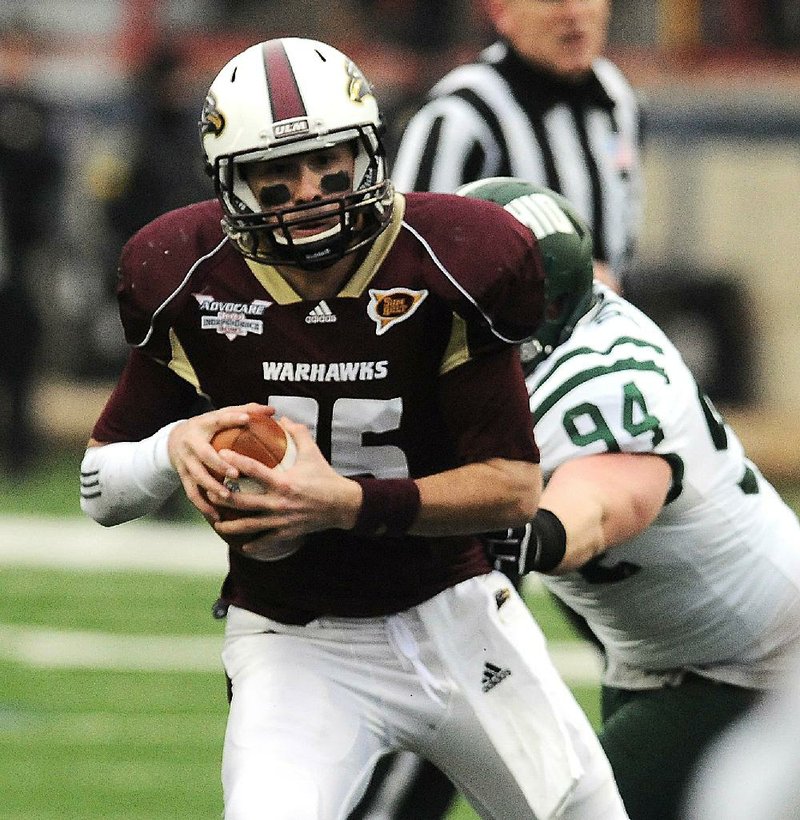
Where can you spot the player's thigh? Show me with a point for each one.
(654, 739)
(298, 744)
(464, 751)
(595, 796)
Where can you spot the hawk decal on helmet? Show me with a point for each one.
(211, 121)
(359, 87)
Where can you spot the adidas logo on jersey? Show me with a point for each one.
(492, 675)
(321, 313)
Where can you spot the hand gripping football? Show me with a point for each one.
(264, 440)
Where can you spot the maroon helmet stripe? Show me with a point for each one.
(284, 95)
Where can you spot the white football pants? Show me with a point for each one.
(315, 706)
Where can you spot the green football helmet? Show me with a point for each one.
(565, 242)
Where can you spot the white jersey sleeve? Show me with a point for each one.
(713, 585)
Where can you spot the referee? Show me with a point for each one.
(543, 105)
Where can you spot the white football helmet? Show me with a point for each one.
(288, 96)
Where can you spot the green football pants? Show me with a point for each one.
(654, 739)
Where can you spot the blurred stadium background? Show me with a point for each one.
(111, 696)
(98, 105)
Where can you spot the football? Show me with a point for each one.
(264, 440)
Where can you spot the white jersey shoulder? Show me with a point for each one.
(714, 584)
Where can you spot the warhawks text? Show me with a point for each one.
(325, 372)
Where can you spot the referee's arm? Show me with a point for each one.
(445, 144)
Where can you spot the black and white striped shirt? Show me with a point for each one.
(500, 116)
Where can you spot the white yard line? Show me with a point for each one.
(78, 543)
(72, 649)
(191, 549)
(156, 547)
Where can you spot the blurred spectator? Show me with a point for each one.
(29, 170)
(156, 173)
(739, 24)
(148, 172)
(417, 24)
(782, 24)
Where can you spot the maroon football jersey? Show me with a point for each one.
(405, 372)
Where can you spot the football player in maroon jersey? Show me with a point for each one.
(381, 328)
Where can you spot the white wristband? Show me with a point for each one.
(127, 479)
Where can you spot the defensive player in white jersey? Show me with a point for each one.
(382, 327)
(653, 524)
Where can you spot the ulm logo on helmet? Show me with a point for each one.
(289, 128)
(211, 120)
(359, 86)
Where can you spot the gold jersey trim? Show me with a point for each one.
(283, 293)
(180, 364)
(357, 283)
(457, 352)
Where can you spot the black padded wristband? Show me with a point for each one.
(389, 506)
(548, 543)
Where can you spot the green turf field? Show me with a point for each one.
(112, 703)
(87, 742)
